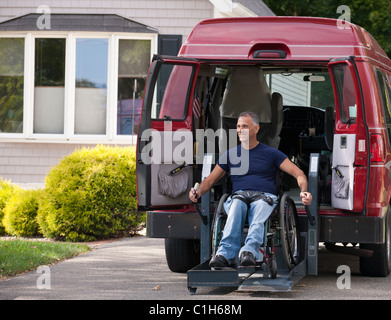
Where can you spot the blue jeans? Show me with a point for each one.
(258, 213)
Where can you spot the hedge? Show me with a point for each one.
(20, 213)
(6, 191)
(90, 195)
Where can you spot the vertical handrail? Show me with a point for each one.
(313, 240)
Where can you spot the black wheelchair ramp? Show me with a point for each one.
(246, 279)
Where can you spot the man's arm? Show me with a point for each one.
(216, 174)
(290, 168)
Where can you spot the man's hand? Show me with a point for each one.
(193, 196)
(306, 198)
(200, 189)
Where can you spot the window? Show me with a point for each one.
(49, 85)
(172, 92)
(133, 63)
(73, 86)
(322, 92)
(11, 84)
(91, 86)
(385, 94)
(346, 93)
(298, 89)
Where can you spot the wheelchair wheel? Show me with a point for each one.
(219, 219)
(289, 231)
(217, 234)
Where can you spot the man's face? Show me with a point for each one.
(246, 129)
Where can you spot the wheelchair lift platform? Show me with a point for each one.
(246, 278)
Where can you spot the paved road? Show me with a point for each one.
(135, 268)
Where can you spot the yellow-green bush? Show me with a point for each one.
(20, 213)
(91, 194)
(6, 191)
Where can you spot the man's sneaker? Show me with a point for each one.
(218, 262)
(247, 259)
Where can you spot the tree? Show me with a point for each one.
(372, 15)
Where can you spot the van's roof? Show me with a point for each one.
(305, 38)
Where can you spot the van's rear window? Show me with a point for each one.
(172, 92)
(384, 90)
(346, 93)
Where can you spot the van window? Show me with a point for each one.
(296, 87)
(385, 94)
(172, 92)
(346, 93)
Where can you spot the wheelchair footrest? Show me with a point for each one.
(259, 266)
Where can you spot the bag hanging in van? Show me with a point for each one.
(173, 184)
(340, 185)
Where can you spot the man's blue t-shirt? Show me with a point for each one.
(255, 170)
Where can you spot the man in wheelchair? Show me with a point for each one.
(254, 191)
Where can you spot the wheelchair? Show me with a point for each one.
(281, 231)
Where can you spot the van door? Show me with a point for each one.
(165, 139)
(350, 150)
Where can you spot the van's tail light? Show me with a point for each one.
(377, 148)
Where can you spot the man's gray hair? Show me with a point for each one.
(253, 116)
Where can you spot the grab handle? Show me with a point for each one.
(197, 207)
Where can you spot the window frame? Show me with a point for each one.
(31, 83)
(111, 136)
(154, 41)
(385, 98)
(71, 120)
(344, 119)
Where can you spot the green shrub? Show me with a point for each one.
(6, 191)
(90, 195)
(20, 213)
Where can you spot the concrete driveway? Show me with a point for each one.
(131, 268)
(135, 269)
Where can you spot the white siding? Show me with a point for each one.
(294, 90)
(28, 163)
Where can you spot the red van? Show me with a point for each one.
(317, 87)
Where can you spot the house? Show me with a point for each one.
(72, 73)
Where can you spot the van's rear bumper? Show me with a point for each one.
(180, 225)
(186, 225)
(351, 229)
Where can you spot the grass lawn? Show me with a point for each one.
(18, 256)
